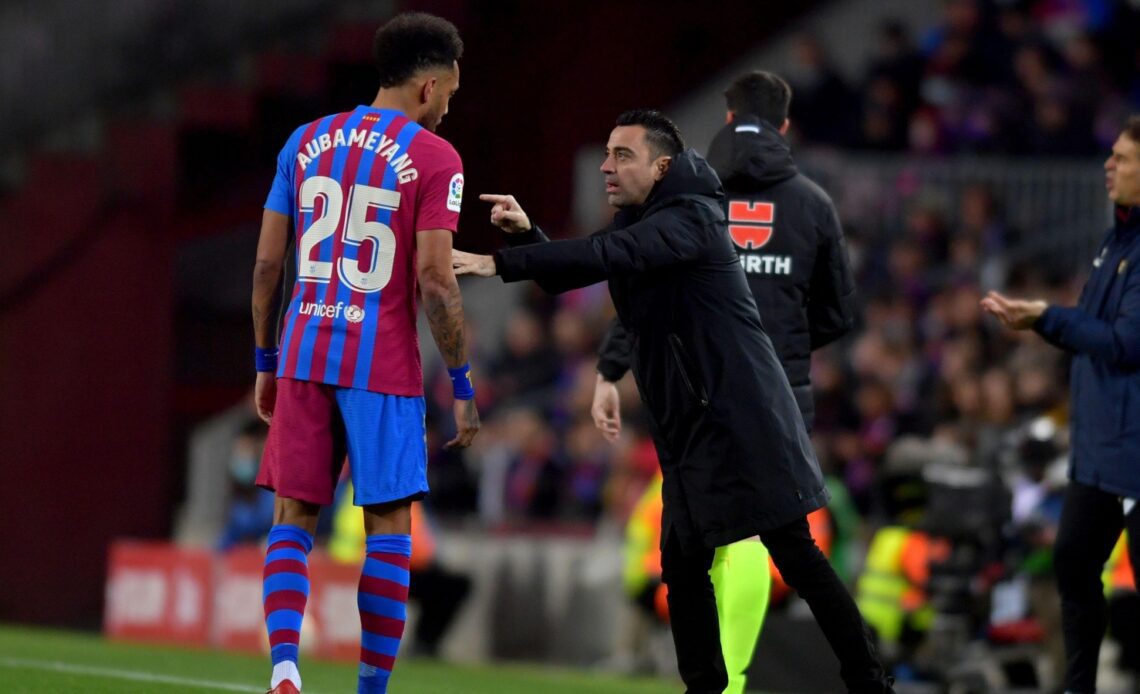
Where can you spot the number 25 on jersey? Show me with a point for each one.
(352, 217)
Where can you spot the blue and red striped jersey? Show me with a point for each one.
(359, 185)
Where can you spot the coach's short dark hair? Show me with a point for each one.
(662, 134)
(762, 94)
(1132, 128)
(413, 41)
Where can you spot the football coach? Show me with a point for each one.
(733, 448)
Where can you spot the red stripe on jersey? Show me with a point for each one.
(347, 180)
(398, 305)
(302, 291)
(324, 168)
(350, 353)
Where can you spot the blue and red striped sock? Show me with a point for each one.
(285, 589)
(383, 601)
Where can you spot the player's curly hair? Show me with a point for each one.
(660, 132)
(414, 41)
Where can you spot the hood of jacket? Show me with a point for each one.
(689, 177)
(749, 154)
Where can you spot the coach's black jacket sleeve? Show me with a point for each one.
(653, 243)
(831, 298)
(614, 353)
(535, 235)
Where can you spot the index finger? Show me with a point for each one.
(494, 197)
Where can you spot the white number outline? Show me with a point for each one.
(353, 219)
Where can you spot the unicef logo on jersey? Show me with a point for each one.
(353, 314)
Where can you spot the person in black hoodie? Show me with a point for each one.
(734, 452)
(785, 229)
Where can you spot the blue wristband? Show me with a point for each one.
(461, 386)
(265, 359)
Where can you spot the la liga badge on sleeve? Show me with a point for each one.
(455, 192)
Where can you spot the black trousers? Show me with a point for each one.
(1091, 521)
(696, 631)
(440, 594)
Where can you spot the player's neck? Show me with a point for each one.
(402, 100)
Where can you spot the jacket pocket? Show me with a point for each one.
(681, 357)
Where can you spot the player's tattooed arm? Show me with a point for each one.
(444, 309)
(443, 304)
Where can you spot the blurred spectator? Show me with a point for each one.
(520, 471)
(976, 76)
(822, 108)
(250, 513)
(527, 367)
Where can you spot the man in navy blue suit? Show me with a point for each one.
(1103, 335)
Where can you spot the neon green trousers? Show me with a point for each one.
(742, 584)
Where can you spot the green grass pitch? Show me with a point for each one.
(39, 660)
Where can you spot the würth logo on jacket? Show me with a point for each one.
(750, 224)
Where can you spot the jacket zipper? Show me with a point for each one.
(679, 357)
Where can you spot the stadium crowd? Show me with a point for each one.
(1026, 77)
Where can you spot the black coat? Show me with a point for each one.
(791, 246)
(733, 448)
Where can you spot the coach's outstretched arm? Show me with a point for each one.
(267, 269)
(443, 305)
(508, 215)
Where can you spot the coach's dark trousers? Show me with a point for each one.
(1091, 521)
(696, 632)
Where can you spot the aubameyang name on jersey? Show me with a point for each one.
(755, 264)
(379, 143)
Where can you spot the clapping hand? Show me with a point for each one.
(1016, 314)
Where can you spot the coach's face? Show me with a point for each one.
(631, 169)
(1122, 171)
